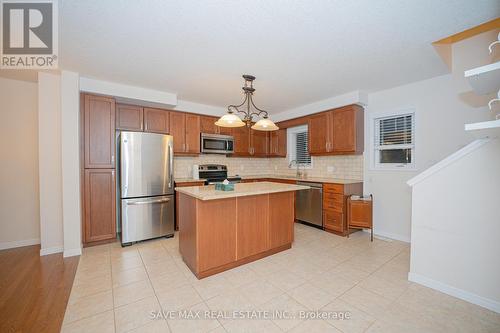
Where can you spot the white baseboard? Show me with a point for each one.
(455, 292)
(389, 235)
(72, 252)
(51, 250)
(25, 242)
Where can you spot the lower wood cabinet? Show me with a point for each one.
(100, 205)
(335, 206)
(333, 220)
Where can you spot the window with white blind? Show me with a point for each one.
(297, 147)
(394, 142)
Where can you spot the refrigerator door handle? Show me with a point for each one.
(171, 165)
(148, 202)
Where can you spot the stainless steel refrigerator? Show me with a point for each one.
(146, 186)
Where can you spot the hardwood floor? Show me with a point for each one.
(34, 290)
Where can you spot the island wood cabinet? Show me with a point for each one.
(277, 143)
(336, 132)
(216, 235)
(100, 202)
(335, 206)
(207, 125)
(183, 184)
(97, 171)
(185, 128)
(156, 121)
(129, 117)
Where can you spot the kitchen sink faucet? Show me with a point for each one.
(298, 174)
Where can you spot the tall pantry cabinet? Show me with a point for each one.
(98, 168)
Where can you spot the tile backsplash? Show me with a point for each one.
(345, 167)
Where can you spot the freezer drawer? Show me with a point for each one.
(145, 218)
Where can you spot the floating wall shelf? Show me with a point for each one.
(484, 79)
(485, 129)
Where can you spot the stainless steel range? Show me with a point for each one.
(216, 173)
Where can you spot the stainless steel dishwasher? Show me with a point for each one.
(309, 206)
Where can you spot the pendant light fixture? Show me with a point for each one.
(231, 119)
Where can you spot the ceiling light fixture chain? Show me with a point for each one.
(231, 120)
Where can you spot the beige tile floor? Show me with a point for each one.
(116, 290)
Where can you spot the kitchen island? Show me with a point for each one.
(219, 230)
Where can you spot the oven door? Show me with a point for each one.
(216, 144)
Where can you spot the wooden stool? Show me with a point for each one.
(359, 214)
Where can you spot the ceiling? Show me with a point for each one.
(300, 51)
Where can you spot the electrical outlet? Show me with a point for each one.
(275, 168)
(242, 167)
(330, 169)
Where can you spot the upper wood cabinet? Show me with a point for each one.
(241, 141)
(319, 136)
(259, 143)
(224, 130)
(178, 131)
(192, 134)
(156, 121)
(277, 143)
(185, 128)
(99, 205)
(99, 132)
(129, 117)
(207, 125)
(338, 131)
(348, 130)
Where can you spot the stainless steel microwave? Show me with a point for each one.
(216, 144)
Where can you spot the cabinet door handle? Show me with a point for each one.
(187, 146)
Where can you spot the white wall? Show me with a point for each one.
(70, 159)
(50, 171)
(455, 228)
(19, 203)
(442, 106)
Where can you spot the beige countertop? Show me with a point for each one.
(188, 180)
(307, 179)
(240, 190)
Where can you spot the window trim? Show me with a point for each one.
(374, 166)
(291, 147)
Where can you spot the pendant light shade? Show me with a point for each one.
(265, 124)
(229, 120)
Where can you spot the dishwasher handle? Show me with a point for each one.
(316, 186)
